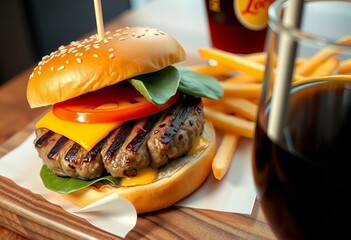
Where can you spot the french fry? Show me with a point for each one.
(230, 123)
(310, 66)
(241, 107)
(345, 67)
(220, 108)
(210, 70)
(300, 61)
(235, 113)
(320, 57)
(224, 154)
(234, 61)
(255, 101)
(329, 67)
(259, 57)
(247, 90)
(242, 78)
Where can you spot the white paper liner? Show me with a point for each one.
(234, 193)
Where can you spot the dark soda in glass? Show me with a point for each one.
(303, 182)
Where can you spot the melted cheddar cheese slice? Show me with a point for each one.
(145, 176)
(85, 134)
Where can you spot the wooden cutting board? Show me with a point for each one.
(32, 216)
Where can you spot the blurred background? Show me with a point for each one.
(31, 29)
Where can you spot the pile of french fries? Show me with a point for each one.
(241, 78)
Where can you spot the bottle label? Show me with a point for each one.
(253, 14)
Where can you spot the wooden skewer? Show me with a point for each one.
(99, 19)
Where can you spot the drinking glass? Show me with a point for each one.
(302, 169)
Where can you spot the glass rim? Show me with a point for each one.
(297, 34)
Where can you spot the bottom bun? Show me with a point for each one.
(178, 179)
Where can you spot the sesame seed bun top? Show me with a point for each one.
(90, 64)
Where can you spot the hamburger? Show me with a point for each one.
(123, 119)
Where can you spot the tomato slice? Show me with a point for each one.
(115, 103)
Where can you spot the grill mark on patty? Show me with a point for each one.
(71, 155)
(56, 148)
(186, 105)
(138, 140)
(122, 151)
(41, 142)
(95, 151)
(119, 139)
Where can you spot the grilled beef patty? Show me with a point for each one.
(150, 141)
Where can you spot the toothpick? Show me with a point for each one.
(99, 19)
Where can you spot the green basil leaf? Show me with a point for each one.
(68, 185)
(199, 85)
(158, 87)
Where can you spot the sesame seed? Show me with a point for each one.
(52, 68)
(95, 55)
(110, 50)
(122, 38)
(61, 67)
(79, 60)
(39, 72)
(71, 49)
(31, 76)
(108, 32)
(96, 46)
(105, 40)
(67, 61)
(112, 55)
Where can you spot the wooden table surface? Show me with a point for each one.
(20, 217)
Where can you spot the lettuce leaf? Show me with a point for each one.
(67, 185)
(158, 87)
(199, 85)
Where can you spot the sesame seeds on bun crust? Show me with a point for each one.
(90, 64)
